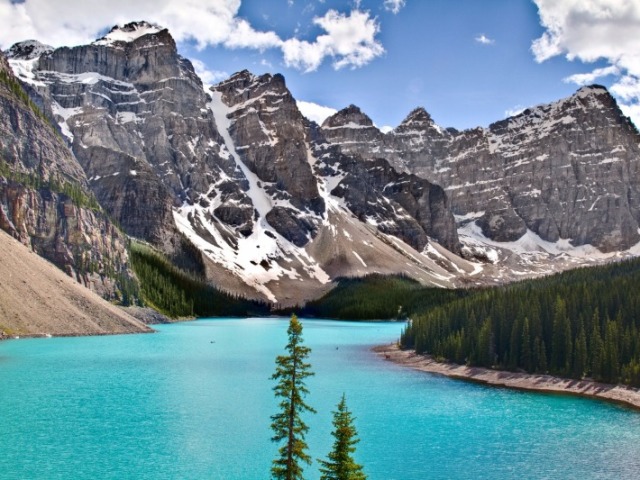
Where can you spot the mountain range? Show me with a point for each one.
(119, 139)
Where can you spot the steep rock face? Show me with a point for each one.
(564, 170)
(567, 170)
(269, 136)
(398, 204)
(351, 129)
(44, 197)
(135, 113)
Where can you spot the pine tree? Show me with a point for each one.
(291, 372)
(580, 355)
(525, 348)
(340, 464)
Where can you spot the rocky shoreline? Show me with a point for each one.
(520, 381)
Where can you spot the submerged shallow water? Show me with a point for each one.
(194, 401)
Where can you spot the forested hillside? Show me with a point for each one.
(177, 293)
(580, 323)
(377, 297)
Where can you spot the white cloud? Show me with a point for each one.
(627, 88)
(315, 112)
(632, 111)
(588, 78)
(350, 39)
(394, 6)
(484, 40)
(386, 129)
(73, 22)
(590, 30)
(512, 112)
(208, 77)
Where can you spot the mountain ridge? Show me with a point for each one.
(279, 207)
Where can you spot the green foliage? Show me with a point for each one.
(68, 188)
(340, 464)
(291, 372)
(16, 89)
(584, 322)
(179, 294)
(377, 297)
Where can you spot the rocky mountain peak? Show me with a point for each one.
(28, 50)
(418, 115)
(129, 33)
(418, 121)
(594, 89)
(243, 86)
(350, 116)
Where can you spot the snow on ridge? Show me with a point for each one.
(24, 70)
(351, 125)
(261, 201)
(65, 113)
(128, 33)
(247, 257)
(28, 50)
(532, 245)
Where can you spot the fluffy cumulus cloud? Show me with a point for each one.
(207, 22)
(591, 30)
(350, 39)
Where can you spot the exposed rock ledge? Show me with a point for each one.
(520, 381)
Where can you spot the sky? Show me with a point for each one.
(467, 62)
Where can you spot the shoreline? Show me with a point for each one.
(627, 396)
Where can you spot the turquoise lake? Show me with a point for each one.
(193, 401)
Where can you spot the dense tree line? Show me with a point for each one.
(377, 297)
(177, 293)
(585, 322)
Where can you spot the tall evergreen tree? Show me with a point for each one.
(340, 464)
(287, 425)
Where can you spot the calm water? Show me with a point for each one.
(174, 405)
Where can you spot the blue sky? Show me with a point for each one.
(468, 62)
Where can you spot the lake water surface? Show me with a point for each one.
(194, 400)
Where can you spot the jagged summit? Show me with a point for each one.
(129, 32)
(244, 80)
(351, 116)
(418, 120)
(28, 50)
(592, 89)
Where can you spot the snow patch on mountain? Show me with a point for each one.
(128, 33)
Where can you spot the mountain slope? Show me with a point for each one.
(36, 298)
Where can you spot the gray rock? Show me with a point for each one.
(38, 176)
(567, 170)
